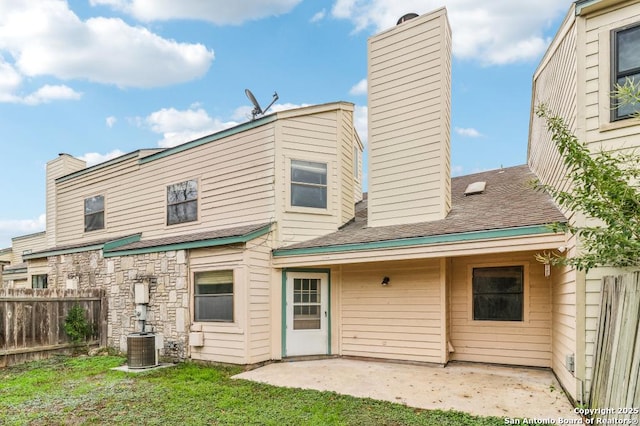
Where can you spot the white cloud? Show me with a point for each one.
(93, 158)
(457, 170)
(48, 93)
(219, 12)
(491, 32)
(179, 126)
(46, 38)
(360, 88)
(10, 228)
(468, 132)
(10, 80)
(111, 121)
(319, 16)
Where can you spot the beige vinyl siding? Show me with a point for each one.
(247, 340)
(323, 136)
(56, 168)
(27, 244)
(37, 267)
(503, 342)
(235, 187)
(574, 79)
(402, 321)
(409, 110)
(346, 140)
(223, 342)
(554, 86)
(596, 54)
(565, 312)
(601, 134)
(258, 259)
(358, 182)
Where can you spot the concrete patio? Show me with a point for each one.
(479, 389)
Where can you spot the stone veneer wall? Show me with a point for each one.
(168, 311)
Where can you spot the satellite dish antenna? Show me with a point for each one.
(257, 110)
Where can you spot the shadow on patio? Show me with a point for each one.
(479, 389)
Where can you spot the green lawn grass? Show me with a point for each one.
(72, 391)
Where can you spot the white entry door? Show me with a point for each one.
(307, 314)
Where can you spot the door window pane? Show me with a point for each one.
(306, 304)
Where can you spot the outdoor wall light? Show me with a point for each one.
(385, 281)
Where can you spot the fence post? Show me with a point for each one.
(104, 319)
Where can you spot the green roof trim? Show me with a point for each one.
(90, 169)
(111, 245)
(191, 244)
(16, 271)
(210, 138)
(418, 241)
(581, 4)
(71, 250)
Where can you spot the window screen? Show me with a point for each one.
(625, 64)
(308, 184)
(94, 213)
(498, 293)
(182, 202)
(214, 296)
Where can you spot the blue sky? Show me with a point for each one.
(100, 78)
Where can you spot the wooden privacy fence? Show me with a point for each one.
(615, 388)
(32, 321)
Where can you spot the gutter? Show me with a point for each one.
(417, 241)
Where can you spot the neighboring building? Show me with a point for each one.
(15, 274)
(5, 260)
(256, 243)
(596, 46)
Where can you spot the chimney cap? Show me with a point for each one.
(406, 17)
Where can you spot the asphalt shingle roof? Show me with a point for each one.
(237, 231)
(508, 201)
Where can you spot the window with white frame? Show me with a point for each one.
(498, 293)
(625, 65)
(182, 202)
(213, 296)
(308, 184)
(94, 213)
(39, 281)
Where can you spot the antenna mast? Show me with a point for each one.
(257, 110)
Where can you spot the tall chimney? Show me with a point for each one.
(63, 165)
(409, 85)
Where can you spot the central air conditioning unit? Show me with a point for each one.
(142, 350)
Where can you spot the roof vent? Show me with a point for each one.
(475, 188)
(406, 18)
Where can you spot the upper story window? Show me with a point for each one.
(308, 184)
(182, 202)
(625, 64)
(498, 293)
(94, 213)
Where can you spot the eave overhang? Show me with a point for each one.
(478, 242)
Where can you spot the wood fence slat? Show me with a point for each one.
(616, 381)
(32, 321)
